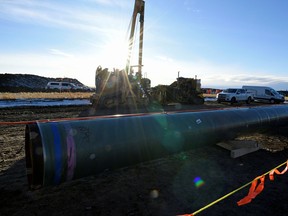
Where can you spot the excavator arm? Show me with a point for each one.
(139, 8)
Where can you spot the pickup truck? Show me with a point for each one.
(234, 95)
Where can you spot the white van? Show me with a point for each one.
(265, 94)
(61, 85)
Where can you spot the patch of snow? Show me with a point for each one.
(42, 102)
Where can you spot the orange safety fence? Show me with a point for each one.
(254, 190)
(257, 189)
(271, 174)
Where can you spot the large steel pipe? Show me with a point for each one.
(61, 151)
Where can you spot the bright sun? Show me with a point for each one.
(115, 55)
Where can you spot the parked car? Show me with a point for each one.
(234, 95)
(86, 88)
(61, 86)
(265, 94)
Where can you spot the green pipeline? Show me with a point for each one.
(61, 151)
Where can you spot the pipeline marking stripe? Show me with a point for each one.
(58, 153)
(71, 152)
(258, 190)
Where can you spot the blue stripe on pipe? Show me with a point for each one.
(58, 153)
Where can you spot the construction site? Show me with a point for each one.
(142, 150)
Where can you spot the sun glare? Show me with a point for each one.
(115, 55)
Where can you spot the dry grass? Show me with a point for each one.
(45, 95)
(209, 95)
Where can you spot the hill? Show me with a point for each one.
(28, 82)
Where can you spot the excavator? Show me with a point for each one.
(125, 88)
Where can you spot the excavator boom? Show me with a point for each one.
(139, 8)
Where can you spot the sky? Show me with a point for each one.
(225, 43)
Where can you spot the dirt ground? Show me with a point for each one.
(165, 186)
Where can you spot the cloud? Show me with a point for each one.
(122, 3)
(165, 71)
(80, 17)
(160, 71)
(260, 80)
(59, 53)
(79, 67)
(236, 80)
(108, 18)
(164, 58)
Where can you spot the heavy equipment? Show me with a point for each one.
(184, 91)
(125, 88)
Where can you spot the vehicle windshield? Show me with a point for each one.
(274, 92)
(230, 90)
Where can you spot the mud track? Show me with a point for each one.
(160, 187)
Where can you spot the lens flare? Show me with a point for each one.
(198, 182)
(154, 194)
